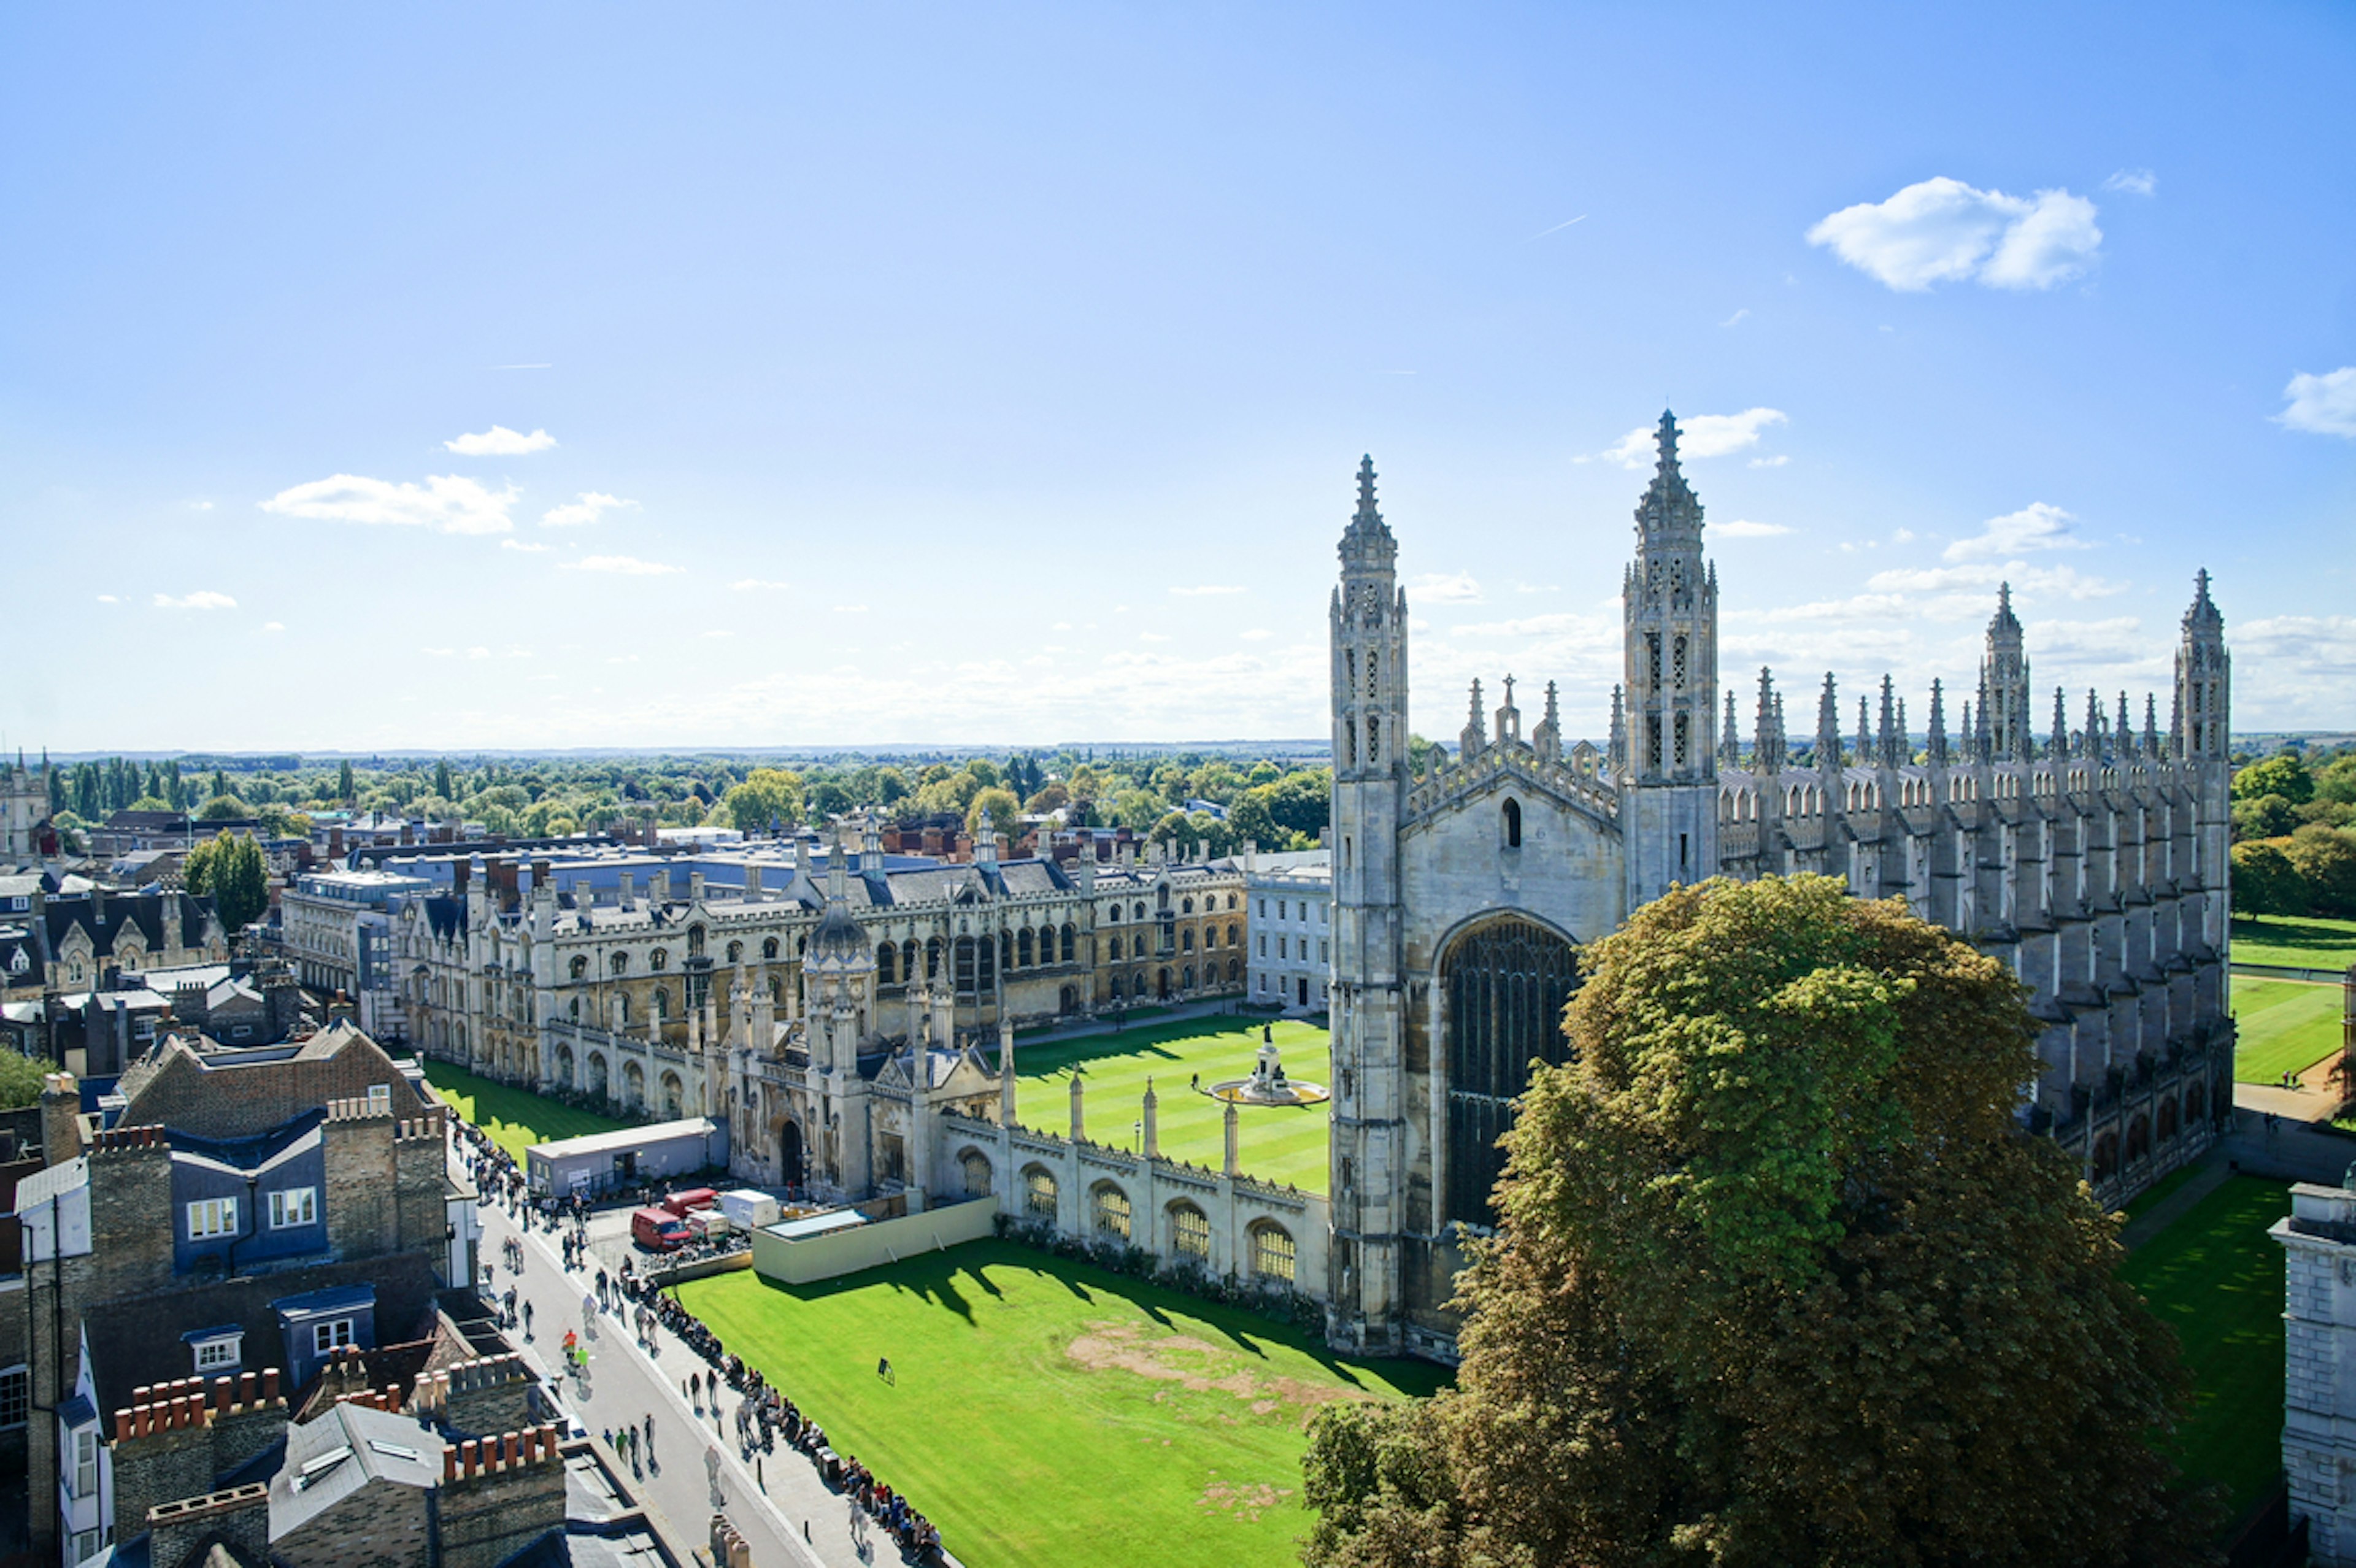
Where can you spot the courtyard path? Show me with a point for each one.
(697, 1470)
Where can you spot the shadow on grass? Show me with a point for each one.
(933, 1278)
(2323, 936)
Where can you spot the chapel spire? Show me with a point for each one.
(1366, 543)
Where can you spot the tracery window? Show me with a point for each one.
(1272, 1252)
(1504, 985)
(1190, 1233)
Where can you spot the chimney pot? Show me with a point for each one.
(224, 1389)
(121, 1426)
(450, 1463)
(269, 1383)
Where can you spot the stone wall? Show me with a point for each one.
(498, 1496)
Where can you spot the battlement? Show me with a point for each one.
(507, 1452)
(188, 1403)
(359, 1110)
(484, 1373)
(419, 1130)
(131, 1141)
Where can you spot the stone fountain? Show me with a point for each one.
(1269, 1084)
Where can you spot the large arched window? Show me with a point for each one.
(1272, 1256)
(1504, 985)
(976, 1167)
(1190, 1233)
(1039, 1192)
(1108, 1211)
(1513, 824)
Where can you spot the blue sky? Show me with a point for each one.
(961, 373)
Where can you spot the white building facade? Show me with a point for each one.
(1291, 901)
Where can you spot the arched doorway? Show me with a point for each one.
(790, 1158)
(1505, 984)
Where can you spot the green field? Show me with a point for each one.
(515, 1118)
(1279, 1143)
(2295, 942)
(2215, 1278)
(2286, 1026)
(1049, 1412)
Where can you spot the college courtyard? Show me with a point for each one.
(1049, 1410)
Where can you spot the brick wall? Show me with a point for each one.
(362, 1196)
(131, 1218)
(176, 1438)
(246, 1100)
(239, 1516)
(500, 1496)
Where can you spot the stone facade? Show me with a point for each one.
(2318, 1440)
(2094, 863)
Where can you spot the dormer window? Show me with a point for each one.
(221, 1351)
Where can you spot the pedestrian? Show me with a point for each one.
(883, 1369)
(526, 1320)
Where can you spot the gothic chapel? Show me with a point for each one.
(2093, 861)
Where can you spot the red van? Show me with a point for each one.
(658, 1230)
(685, 1204)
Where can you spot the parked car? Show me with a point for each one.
(658, 1230)
(687, 1202)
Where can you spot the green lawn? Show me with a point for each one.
(2216, 1279)
(1283, 1143)
(2286, 1026)
(1049, 1412)
(2295, 942)
(515, 1118)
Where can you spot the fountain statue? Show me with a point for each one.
(1268, 1084)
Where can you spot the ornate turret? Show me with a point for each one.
(1473, 739)
(2203, 677)
(1828, 759)
(2060, 725)
(838, 944)
(1937, 740)
(1767, 756)
(1669, 603)
(2004, 683)
(1547, 739)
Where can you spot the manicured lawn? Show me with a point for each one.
(1048, 1413)
(1279, 1143)
(2287, 1026)
(2216, 1279)
(2295, 942)
(515, 1118)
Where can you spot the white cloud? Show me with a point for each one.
(2133, 182)
(758, 584)
(623, 565)
(478, 653)
(1943, 230)
(273, 625)
(1743, 528)
(500, 442)
(2324, 405)
(1203, 592)
(2035, 527)
(1736, 317)
(1258, 634)
(202, 599)
(108, 599)
(588, 509)
(1704, 436)
(448, 503)
(1445, 588)
(527, 549)
(1775, 462)
(2061, 580)
(200, 506)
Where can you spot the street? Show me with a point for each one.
(692, 1469)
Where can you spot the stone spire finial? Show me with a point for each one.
(2176, 722)
(2093, 742)
(2123, 729)
(2150, 726)
(1864, 732)
(1767, 747)
(2060, 723)
(1547, 737)
(1670, 514)
(1970, 735)
(2203, 614)
(1828, 741)
(1367, 541)
(1888, 735)
(1938, 738)
(1474, 738)
(1618, 740)
(1509, 717)
(1729, 741)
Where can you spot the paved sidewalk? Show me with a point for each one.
(696, 1470)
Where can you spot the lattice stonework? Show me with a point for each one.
(1505, 986)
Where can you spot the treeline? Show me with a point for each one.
(2295, 834)
(1274, 805)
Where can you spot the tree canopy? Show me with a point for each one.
(20, 1080)
(1778, 1279)
(768, 797)
(231, 868)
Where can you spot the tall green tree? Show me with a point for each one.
(2264, 881)
(344, 781)
(1779, 1280)
(230, 868)
(768, 797)
(2284, 774)
(442, 782)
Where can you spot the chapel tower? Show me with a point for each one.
(1367, 1161)
(2203, 745)
(1669, 782)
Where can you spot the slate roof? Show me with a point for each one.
(376, 1447)
(122, 913)
(137, 1341)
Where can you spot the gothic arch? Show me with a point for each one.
(1108, 1211)
(1504, 980)
(975, 1165)
(1190, 1233)
(673, 1095)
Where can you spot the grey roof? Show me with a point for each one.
(346, 1449)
